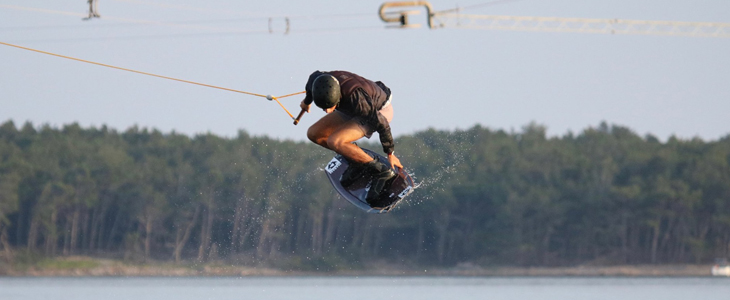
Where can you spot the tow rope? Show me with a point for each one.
(268, 97)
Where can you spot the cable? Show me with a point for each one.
(144, 37)
(584, 25)
(269, 97)
(259, 15)
(333, 16)
(192, 8)
(217, 31)
(57, 12)
(126, 20)
(199, 35)
(333, 30)
(491, 3)
(56, 27)
(123, 24)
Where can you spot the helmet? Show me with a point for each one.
(326, 91)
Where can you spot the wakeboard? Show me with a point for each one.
(400, 187)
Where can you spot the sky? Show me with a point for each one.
(447, 78)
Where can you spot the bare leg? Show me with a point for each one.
(322, 129)
(341, 140)
(337, 134)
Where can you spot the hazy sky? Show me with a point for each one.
(444, 78)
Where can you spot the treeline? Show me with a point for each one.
(605, 196)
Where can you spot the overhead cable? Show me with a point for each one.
(126, 20)
(211, 30)
(583, 25)
(490, 3)
(196, 9)
(247, 14)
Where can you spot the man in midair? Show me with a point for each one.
(356, 107)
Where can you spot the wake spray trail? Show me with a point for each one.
(436, 180)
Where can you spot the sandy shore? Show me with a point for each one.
(85, 266)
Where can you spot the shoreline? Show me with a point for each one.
(92, 267)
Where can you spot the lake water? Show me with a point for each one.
(341, 288)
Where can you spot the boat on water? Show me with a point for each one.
(720, 268)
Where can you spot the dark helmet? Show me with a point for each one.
(326, 91)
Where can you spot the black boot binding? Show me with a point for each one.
(352, 174)
(382, 175)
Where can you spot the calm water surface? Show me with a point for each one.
(339, 288)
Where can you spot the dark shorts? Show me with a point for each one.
(367, 130)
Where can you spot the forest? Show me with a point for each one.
(488, 197)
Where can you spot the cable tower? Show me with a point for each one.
(454, 19)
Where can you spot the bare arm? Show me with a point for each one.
(394, 161)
